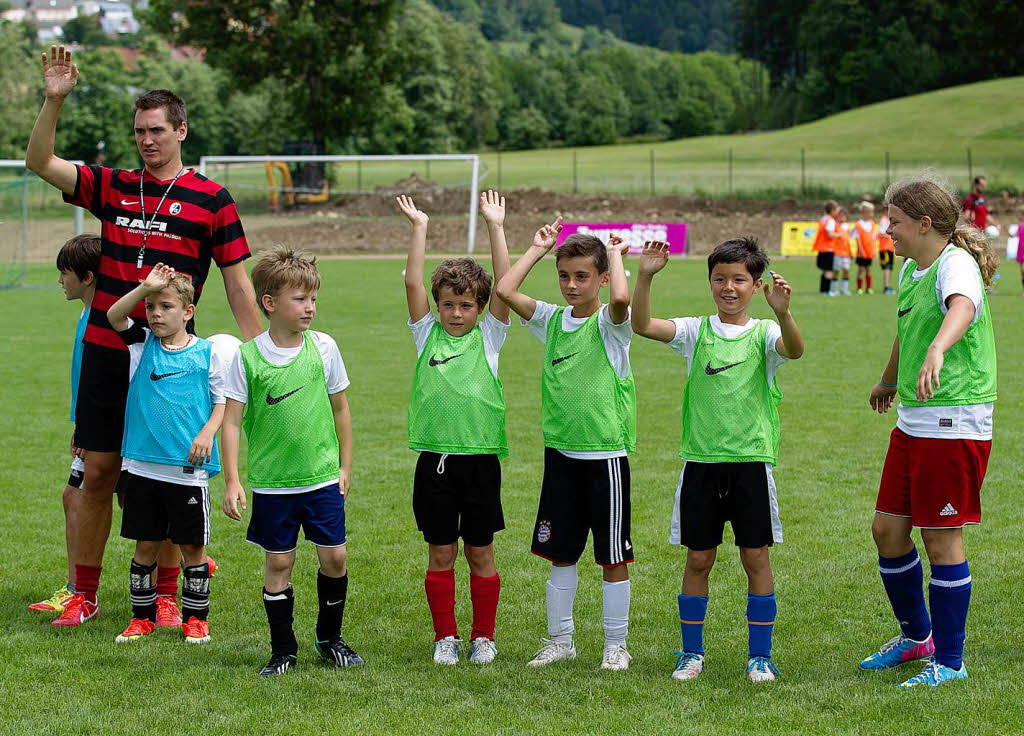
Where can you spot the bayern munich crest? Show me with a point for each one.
(543, 531)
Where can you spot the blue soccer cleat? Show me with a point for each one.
(935, 674)
(898, 650)
(761, 669)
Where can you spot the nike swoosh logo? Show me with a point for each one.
(157, 376)
(556, 361)
(334, 603)
(434, 361)
(271, 400)
(126, 203)
(712, 371)
(903, 312)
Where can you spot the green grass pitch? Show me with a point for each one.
(832, 610)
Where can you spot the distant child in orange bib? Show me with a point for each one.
(886, 254)
(864, 236)
(841, 265)
(824, 246)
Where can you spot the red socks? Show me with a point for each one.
(440, 587)
(484, 594)
(869, 279)
(167, 581)
(87, 581)
(860, 282)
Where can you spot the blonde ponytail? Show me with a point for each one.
(973, 240)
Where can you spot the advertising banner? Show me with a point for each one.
(633, 233)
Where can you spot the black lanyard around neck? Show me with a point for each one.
(142, 204)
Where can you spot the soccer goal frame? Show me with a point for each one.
(77, 215)
(473, 159)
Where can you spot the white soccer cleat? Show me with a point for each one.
(446, 650)
(482, 650)
(688, 665)
(615, 657)
(553, 651)
(761, 669)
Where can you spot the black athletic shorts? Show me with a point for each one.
(826, 259)
(865, 262)
(458, 496)
(885, 259)
(580, 496)
(155, 510)
(710, 494)
(102, 396)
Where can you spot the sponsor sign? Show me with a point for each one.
(633, 233)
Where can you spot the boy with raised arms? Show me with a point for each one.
(457, 424)
(290, 381)
(174, 408)
(730, 438)
(589, 425)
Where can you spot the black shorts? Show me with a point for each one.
(580, 496)
(710, 494)
(102, 396)
(865, 262)
(885, 259)
(155, 510)
(826, 259)
(458, 496)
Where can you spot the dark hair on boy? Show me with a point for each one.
(740, 250)
(80, 255)
(174, 105)
(584, 245)
(462, 276)
(831, 206)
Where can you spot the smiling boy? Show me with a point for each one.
(730, 437)
(457, 424)
(589, 424)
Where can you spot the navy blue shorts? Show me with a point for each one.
(276, 518)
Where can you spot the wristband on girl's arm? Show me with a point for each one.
(887, 385)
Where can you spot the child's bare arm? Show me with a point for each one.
(884, 392)
(652, 259)
(343, 428)
(202, 445)
(618, 286)
(492, 209)
(415, 292)
(231, 430)
(508, 287)
(119, 311)
(777, 292)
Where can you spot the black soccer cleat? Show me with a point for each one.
(279, 664)
(338, 653)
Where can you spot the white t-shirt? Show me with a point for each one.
(218, 375)
(958, 274)
(688, 328)
(616, 339)
(494, 333)
(335, 377)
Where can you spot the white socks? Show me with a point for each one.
(616, 612)
(561, 592)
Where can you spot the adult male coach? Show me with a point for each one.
(160, 213)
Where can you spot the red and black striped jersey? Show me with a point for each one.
(197, 222)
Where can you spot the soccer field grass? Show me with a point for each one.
(832, 610)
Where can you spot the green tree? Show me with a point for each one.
(329, 61)
(525, 128)
(19, 79)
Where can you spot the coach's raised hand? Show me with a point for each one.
(59, 75)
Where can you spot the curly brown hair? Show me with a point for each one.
(462, 276)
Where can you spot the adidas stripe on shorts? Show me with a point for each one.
(155, 510)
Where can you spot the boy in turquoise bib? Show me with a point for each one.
(730, 438)
(589, 422)
(290, 381)
(457, 424)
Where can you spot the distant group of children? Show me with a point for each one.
(838, 243)
(286, 390)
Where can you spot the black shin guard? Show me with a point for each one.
(143, 591)
(331, 593)
(280, 607)
(195, 592)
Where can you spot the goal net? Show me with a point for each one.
(446, 185)
(34, 223)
